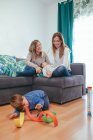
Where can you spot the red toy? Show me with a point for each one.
(47, 114)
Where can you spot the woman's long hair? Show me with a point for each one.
(32, 48)
(62, 47)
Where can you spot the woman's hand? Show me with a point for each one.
(38, 70)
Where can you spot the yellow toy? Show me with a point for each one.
(19, 121)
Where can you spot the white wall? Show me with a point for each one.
(21, 21)
(51, 22)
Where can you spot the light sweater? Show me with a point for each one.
(38, 61)
(64, 60)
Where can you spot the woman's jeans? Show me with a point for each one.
(61, 71)
(28, 71)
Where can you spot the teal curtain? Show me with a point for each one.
(65, 22)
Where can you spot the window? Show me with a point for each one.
(83, 44)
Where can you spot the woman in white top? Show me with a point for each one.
(61, 55)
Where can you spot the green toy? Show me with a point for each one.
(40, 75)
(48, 120)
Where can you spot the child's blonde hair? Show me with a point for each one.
(16, 101)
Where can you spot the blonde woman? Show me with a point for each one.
(34, 59)
(61, 56)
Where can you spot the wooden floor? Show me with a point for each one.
(74, 124)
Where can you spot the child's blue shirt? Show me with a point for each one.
(36, 97)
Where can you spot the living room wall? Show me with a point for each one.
(51, 23)
(20, 23)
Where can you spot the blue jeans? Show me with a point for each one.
(61, 71)
(28, 71)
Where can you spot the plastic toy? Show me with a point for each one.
(48, 119)
(44, 116)
(40, 75)
(19, 121)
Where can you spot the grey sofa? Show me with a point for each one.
(59, 90)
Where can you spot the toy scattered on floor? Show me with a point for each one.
(44, 116)
(19, 121)
(48, 119)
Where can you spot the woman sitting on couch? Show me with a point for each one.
(34, 59)
(61, 56)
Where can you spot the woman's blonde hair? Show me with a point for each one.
(32, 48)
(62, 47)
(16, 101)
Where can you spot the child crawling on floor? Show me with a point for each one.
(36, 99)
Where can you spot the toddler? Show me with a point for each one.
(36, 99)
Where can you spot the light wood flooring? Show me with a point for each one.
(74, 124)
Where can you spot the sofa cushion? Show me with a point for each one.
(10, 82)
(63, 82)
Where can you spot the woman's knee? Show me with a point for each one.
(60, 72)
(61, 68)
(28, 68)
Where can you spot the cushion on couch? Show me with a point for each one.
(10, 82)
(63, 82)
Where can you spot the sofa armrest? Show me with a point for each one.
(79, 69)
